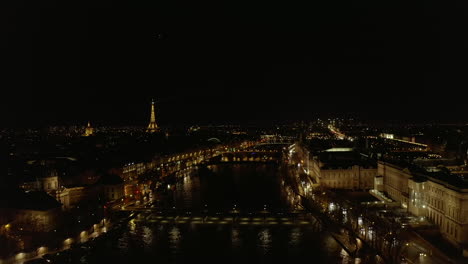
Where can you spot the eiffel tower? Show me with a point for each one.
(152, 127)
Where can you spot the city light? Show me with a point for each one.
(42, 250)
(327, 177)
(20, 256)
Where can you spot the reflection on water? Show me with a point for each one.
(174, 237)
(295, 236)
(170, 243)
(132, 225)
(147, 236)
(249, 187)
(264, 237)
(186, 191)
(235, 237)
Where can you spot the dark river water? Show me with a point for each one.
(247, 186)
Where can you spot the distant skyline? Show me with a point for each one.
(201, 62)
(187, 111)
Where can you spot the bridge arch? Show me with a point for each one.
(214, 140)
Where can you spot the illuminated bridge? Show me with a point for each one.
(230, 218)
(262, 152)
(240, 152)
(248, 156)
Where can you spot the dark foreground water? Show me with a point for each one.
(250, 187)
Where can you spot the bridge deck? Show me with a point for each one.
(302, 219)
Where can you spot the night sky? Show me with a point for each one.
(212, 62)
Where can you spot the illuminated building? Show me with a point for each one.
(71, 196)
(387, 135)
(48, 183)
(89, 130)
(441, 198)
(152, 127)
(339, 168)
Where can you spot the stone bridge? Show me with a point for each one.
(234, 217)
(248, 156)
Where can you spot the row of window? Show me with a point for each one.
(439, 204)
(51, 185)
(446, 196)
(435, 203)
(349, 184)
(393, 193)
(341, 175)
(436, 191)
(450, 228)
(453, 212)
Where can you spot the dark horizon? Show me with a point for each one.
(215, 63)
(186, 111)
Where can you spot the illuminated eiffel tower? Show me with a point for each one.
(152, 127)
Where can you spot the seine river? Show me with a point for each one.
(245, 187)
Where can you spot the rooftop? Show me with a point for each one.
(339, 150)
(443, 176)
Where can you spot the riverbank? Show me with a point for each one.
(342, 238)
(271, 236)
(78, 242)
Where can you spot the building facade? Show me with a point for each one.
(354, 177)
(395, 182)
(341, 169)
(48, 183)
(447, 207)
(72, 196)
(444, 204)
